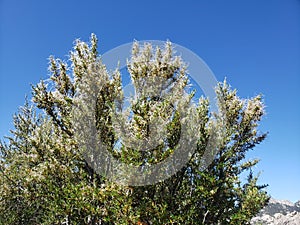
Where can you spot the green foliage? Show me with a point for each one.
(45, 178)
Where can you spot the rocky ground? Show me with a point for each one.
(279, 212)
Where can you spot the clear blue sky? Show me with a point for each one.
(255, 44)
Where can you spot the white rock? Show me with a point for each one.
(279, 212)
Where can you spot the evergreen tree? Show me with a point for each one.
(46, 177)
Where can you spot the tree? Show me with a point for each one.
(47, 179)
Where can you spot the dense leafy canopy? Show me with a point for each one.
(45, 179)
